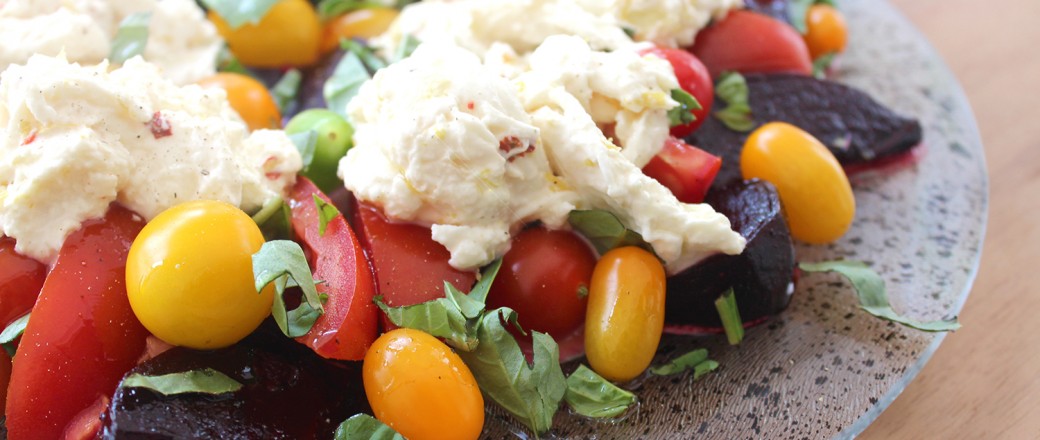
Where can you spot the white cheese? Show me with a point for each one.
(74, 139)
(671, 23)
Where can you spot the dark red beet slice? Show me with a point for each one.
(853, 126)
(760, 276)
(289, 393)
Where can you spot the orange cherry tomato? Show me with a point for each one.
(288, 35)
(826, 31)
(813, 188)
(625, 314)
(248, 97)
(362, 23)
(420, 388)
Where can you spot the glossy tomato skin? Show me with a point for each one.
(826, 31)
(625, 316)
(350, 322)
(361, 23)
(749, 42)
(686, 170)
(82, 336)
(288, 35)
(249, 97)
(21, 278)
(545, 277)
(419, 387)
(694, 79)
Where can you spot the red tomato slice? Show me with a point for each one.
(694, 79)
(5, 376)
(686, 170)
(82, 336)
(747, 42)
(349, 324)
(21, 278)
(410, 267)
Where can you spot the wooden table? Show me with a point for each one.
(984, 381)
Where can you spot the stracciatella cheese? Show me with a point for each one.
(671, 23)
(74, 139)
(180, 38)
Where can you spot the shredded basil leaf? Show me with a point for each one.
(696, 359)
(726, 304)
(345, 82)
(605, 231)
(239, 12)
(13, 331)
(306, 143)
(873, 298)
(226, 62)
(798, 11)
(275, 219)
(329, 9)
(276, 262)
(682, 113)
(131, 38)
(732, 89)
(364, 426)
(590, 395)
(204, 381)
(326, 212)
(285, 90)
(821, 64)
(405, 49)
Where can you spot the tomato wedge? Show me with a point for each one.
(82, 336)
(686, 170)
(21, 278)
(749, 42)
(349, 324)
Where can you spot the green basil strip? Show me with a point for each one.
(306, 143)
(696, 359)
(326, 212)
(681, 114)
(204, 381)
(131, 38)
(366, 427)
(873, 298)
(344, 83)
(226, 62)
(329, 9)
(726, 304)
(405, 49)
(732, 89)
(239, 12)
(589, 394)
(821, 64)
(275, 219)
(276, 262)
(14, 330)
(798, 11)
(605, 231)
(440, 318)
(285, 90)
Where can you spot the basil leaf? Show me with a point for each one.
(364, 426)
(276, 261)
(726, 305)
(589, 394)
(681, 114)
(405, 49)
(275, 219)
(329, 9)
(131, 38)
(326, 212)
(696, 359)
(796, 14)
(473, 305)
(344, 83)
(13, 331)
(821, 64)
(531, 393)
(870, 288)
(732, 89)
(204, 381)
(440, 318)
(239, 12)
(605, 231)
(285, 90)
(226, 62)
(306, 143)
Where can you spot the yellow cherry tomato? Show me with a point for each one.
(826, 31)
(420, 388)
(288, 35)
(362, 23)
(249, 97)
(625, 314)
(813, 188)
(189, 275)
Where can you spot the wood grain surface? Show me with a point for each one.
(984, 381)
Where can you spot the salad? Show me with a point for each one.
(458, 203)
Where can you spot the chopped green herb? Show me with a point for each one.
(873, 298)
(226, 62)
(326, 212)
(821, 64)
(204, 381)
(239, 12)
(605, 231)
(275, 219)
(131, 38)
(798, 10)
(306, 143)
(276, 262)
(696, 359)
(682, 113)
(285, 90)
(726, 304)
(631, 32)
(351, 72)
(732, 89)
(13, 331)
(589, 394)
(364, 426)
(405, 49)
(329, 9)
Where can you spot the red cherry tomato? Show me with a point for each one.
(82, 336)
(686, 170)
(21, 278)
(410, 267)
(748, 42)
(5, 376)
(545, 277)
(693, 78)
(350, 323)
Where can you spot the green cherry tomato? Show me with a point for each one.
(335, 137)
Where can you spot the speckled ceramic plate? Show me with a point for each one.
(823, 368)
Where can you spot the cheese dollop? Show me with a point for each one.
(670, 23)
(73, 139)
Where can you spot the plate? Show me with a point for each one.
(824, 368)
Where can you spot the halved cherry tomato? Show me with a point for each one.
(5, 376)
(21, 278)
(249, 97)
(626, 313)
(686, 170)
(82, 336)
(410, 268)
(694, 79)
(289, 35)
(747, 42)
(350, 322)
(826, 31)
(422, 389)
(362, 23)
(545, 277)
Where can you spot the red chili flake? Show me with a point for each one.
(159, 126)
(470, 105)
(30, 138)
(511, 144)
